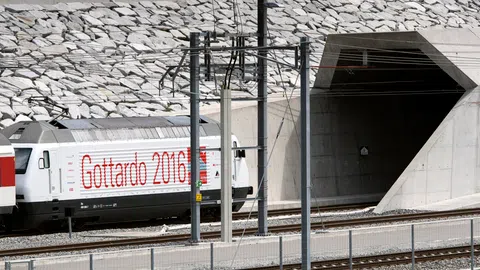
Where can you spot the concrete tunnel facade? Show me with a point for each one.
(409, 99)
(414, 108)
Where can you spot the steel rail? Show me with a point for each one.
(400, 258)
(295, 211)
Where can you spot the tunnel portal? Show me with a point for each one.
(372, 110)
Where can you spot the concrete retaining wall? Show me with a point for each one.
(284, 176)
(447, 166)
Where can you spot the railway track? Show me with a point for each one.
(386, 260)
(171, 221)
(296, 211)
(237, 232)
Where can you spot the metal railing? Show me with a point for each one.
(252, 252)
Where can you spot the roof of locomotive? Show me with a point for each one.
(107, 129)
(4, 140)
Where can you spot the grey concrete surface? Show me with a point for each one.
(283, 167)
(329, 185)
(453, 50)
(393, 128)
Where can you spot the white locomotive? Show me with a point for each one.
(115, 169)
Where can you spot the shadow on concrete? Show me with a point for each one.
(393, 128)
(291, 174)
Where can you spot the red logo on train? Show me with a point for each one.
(169, 167)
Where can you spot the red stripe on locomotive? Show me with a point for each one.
(7, 171)
(203, 158)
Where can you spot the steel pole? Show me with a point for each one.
(281, 252)
(472, 246)
(350, 250)
(305, 149)
(262, 120)
(194, 136)
(226, 165)
(412, 230)
(211, 256)
(70, 227)
(152, 259)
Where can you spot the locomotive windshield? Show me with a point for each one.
(22, 155)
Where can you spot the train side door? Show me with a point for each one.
(49, 163)
(237, 159)
(235, 163)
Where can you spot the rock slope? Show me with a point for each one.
(107, 59)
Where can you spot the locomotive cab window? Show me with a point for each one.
(44, 162)
(238, 153)
(22, 155)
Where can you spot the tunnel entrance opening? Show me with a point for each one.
(388, 101)
(392, 70)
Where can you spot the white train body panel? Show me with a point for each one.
(7, 196)
(121, 168)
